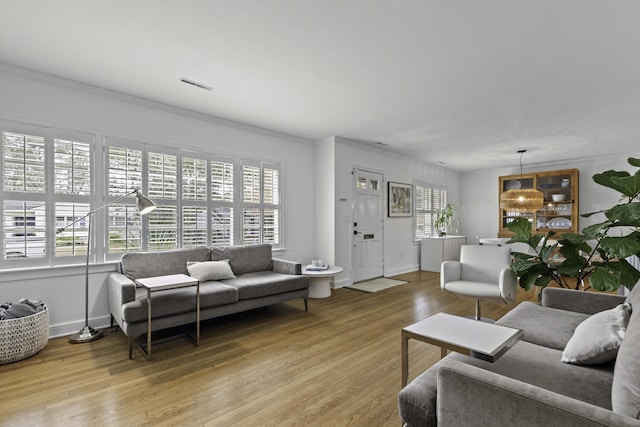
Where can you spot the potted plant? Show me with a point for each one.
(443, 218)
(596, 253)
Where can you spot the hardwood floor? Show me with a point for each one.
(337, 365)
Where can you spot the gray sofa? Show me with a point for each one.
(259, 280)
(529, 385)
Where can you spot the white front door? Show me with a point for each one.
(366, 253)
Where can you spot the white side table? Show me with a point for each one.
(163, 283)
(320, 281)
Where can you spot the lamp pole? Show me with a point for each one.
(144, 206)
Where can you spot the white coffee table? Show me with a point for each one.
(320, 281)
(483, 340)
(163, 283)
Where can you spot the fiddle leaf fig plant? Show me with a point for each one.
(598, 253)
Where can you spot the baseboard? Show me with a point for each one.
(66, 329)
(401, 270)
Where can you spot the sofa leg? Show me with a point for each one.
(478, 310)
(306, 307)
(111, 320)
(131, 342)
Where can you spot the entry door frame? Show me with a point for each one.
(380, 213)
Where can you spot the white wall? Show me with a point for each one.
(480, 192)
(401, 253)
(41, 100)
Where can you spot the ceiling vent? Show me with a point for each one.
(196, 84)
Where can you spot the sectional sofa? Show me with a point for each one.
(597, 384)
(232, 279)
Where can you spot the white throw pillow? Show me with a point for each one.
(597, 338)
(210, 270)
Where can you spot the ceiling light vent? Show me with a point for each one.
(196, 84)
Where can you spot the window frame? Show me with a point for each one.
(49, 198)
(435, 202)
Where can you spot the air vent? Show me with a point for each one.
(196, 84)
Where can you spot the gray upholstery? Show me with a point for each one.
(176, 301)
(137, 265)
(256, 285)
(245, 259)
(625, 393)
(529, 385)
(262, 283)
(545, 326)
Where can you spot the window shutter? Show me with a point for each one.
(72, 167)
(163, 225)
(74, 239)
(221, 226)
(125, 228)
(125, 170)
(194, 226)
(23, 163)
(194, 179)
(251, 184)
(222, 181)
(24, 229)
(162, 176)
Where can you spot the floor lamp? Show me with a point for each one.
(144, 207)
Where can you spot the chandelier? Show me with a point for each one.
(522, 200)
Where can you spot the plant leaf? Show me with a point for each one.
(604, 280)
(621, 247)
(629, 275)
(612, 180)
(634, 162)
(522, 229)
(625, 215)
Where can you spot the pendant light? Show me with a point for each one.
(522, 199)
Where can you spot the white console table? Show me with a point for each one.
(434, 250)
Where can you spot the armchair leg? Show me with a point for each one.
(306, 307)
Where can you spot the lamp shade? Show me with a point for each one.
(144, 204)
(523, 200)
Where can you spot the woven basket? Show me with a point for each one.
(24, 336)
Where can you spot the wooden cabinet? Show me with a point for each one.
(434, 250)
(560, 210)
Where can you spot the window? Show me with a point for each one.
(223, 201)
(261, 203)
(428, 200)
(196, 201)
(51, 182)
(46, 190)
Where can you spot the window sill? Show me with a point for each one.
(57, 271)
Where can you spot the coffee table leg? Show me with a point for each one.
(443, 352)
(405, 358)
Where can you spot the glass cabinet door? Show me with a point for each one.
(560, 210)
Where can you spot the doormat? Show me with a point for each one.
(375, 285)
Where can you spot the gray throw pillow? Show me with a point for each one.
(597, 338)
(210, 270)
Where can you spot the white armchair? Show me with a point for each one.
(483, 274)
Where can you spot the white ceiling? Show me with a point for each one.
(462, 82)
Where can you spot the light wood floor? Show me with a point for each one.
(337, 365)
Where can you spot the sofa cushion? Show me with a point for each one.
(625, 392)
(210, 270)
(136, 265)
(597, 339)
(262, 283)
(245, 259)
(175, 301)
(549, 327)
